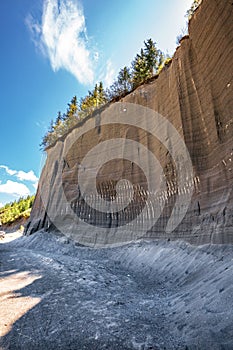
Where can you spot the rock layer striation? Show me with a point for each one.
(194, 93)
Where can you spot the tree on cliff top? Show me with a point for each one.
(140, 69)
(151, 55)
(145, 65)
(93, 100)
(193, 8)
(148, 63)
(122, 85)
(71, 114)
(124, 80)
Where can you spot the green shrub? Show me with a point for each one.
(16, 210)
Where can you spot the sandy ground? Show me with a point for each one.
(146, 295)
(11, 236)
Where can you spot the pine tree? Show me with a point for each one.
(87, 103)
(113, 91)
(124, 80)
(59, 118)
(139, 68)
(95, 99)
(51, 126)
(59, 126)
(71, 114)
(72, 107)
(148, 62)
(151, 57)
(101, 94)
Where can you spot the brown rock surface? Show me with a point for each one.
(195, 95)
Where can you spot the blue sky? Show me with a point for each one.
(52, 50)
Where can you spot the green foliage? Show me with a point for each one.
(93, 100)
(122, 85)
(140, 69)
(193, 8)
(148, 63)
(145, 65)
(152, 56)
(71, 115)
(16, 210)
(124, 80)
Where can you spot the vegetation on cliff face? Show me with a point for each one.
(16, 210)
(189, 15)
(148, 63)
(193, 8)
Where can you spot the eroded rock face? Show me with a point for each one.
(194, 94)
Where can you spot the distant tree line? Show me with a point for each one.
(148, 63)
(16, 210)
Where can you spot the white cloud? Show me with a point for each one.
(21, 175)
(110, 74)
(1, 205)
(30, 176)
(14, 188)
(62, 37)
(9, 171)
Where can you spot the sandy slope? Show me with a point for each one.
(11, 236)
(147, 295)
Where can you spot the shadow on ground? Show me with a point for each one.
(147, 295)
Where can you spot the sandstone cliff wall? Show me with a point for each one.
(195, 94)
